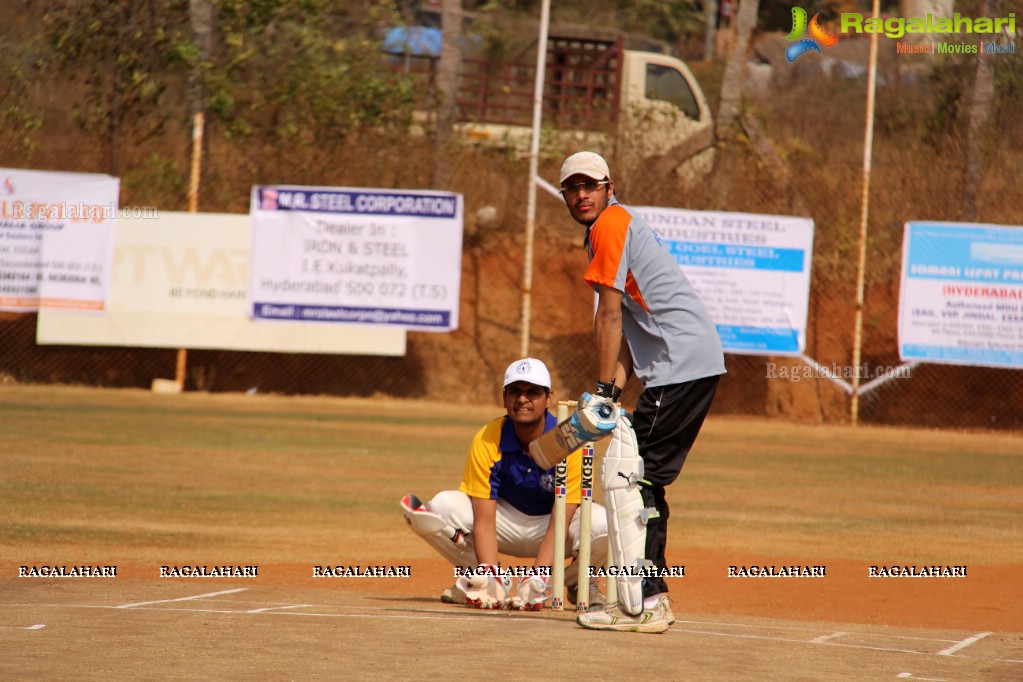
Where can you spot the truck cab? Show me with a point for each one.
(662, 106)
(633, 105)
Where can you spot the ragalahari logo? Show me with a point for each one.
(8, 185)
(819, 36)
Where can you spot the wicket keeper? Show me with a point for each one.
(504, 504)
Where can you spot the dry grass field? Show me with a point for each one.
(130, 479)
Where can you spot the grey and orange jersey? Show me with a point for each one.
(670, 334)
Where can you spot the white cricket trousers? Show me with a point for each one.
(518, 534)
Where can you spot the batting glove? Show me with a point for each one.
(607, 389)
(594, 418)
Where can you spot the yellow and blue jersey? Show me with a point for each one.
(497, 467)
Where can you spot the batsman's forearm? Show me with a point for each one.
(608, 332)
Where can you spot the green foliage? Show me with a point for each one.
(125, 52)
(303, 72)
(18, 123)
(156, 182)
(667, 20)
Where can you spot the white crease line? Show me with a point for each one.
(165, 601)
(804, 629)
(743, 625)
(445, 615)
(825, 638)
(963, 644)
(507, 618)
(22, 627)
(806, 641)
(268, 609)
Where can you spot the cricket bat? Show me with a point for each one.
(589, 422)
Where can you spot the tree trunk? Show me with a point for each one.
(447, 86)
(731, 93)
(710, 30)
(200, 14)
(980, 110)
(732, 82)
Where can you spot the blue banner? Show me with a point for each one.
(762, 339)
(711, 255)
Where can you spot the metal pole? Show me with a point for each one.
(534, 162)
(861, 267)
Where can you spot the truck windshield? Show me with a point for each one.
(666, 83)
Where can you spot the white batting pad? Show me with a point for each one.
(620, 476)
(437, 532)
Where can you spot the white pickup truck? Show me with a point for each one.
(634, 105)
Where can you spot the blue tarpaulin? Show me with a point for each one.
(414, 40)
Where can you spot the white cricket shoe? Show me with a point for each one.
(653, 620)
(665, 601)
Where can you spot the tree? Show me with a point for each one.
(304, 73)
(200, 13)
(447, 86)
(126, 52)
(980, 111)
(732, 82)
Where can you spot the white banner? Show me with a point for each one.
(752, 272)
(344, 255)
(961, 300)
(181, 281)
(56, 239)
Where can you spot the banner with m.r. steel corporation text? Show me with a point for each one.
(56, 239)
(350, 255)
(961, 300)
(752, 272)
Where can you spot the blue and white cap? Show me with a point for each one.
(530, 370)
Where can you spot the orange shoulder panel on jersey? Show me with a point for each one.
(607, 237)
(608, 240)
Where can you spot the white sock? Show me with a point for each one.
(651, 602)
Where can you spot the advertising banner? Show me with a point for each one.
(961, 299)
(344, 255)
(56, 239)
(752, 272)
(181, 281)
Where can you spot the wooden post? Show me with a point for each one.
(198, 122)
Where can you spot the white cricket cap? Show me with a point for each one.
(590, 164)
(529, 370)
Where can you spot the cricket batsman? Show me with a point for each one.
(650, 322)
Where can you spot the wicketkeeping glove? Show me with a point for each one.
(531, 593)
(486, 587)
